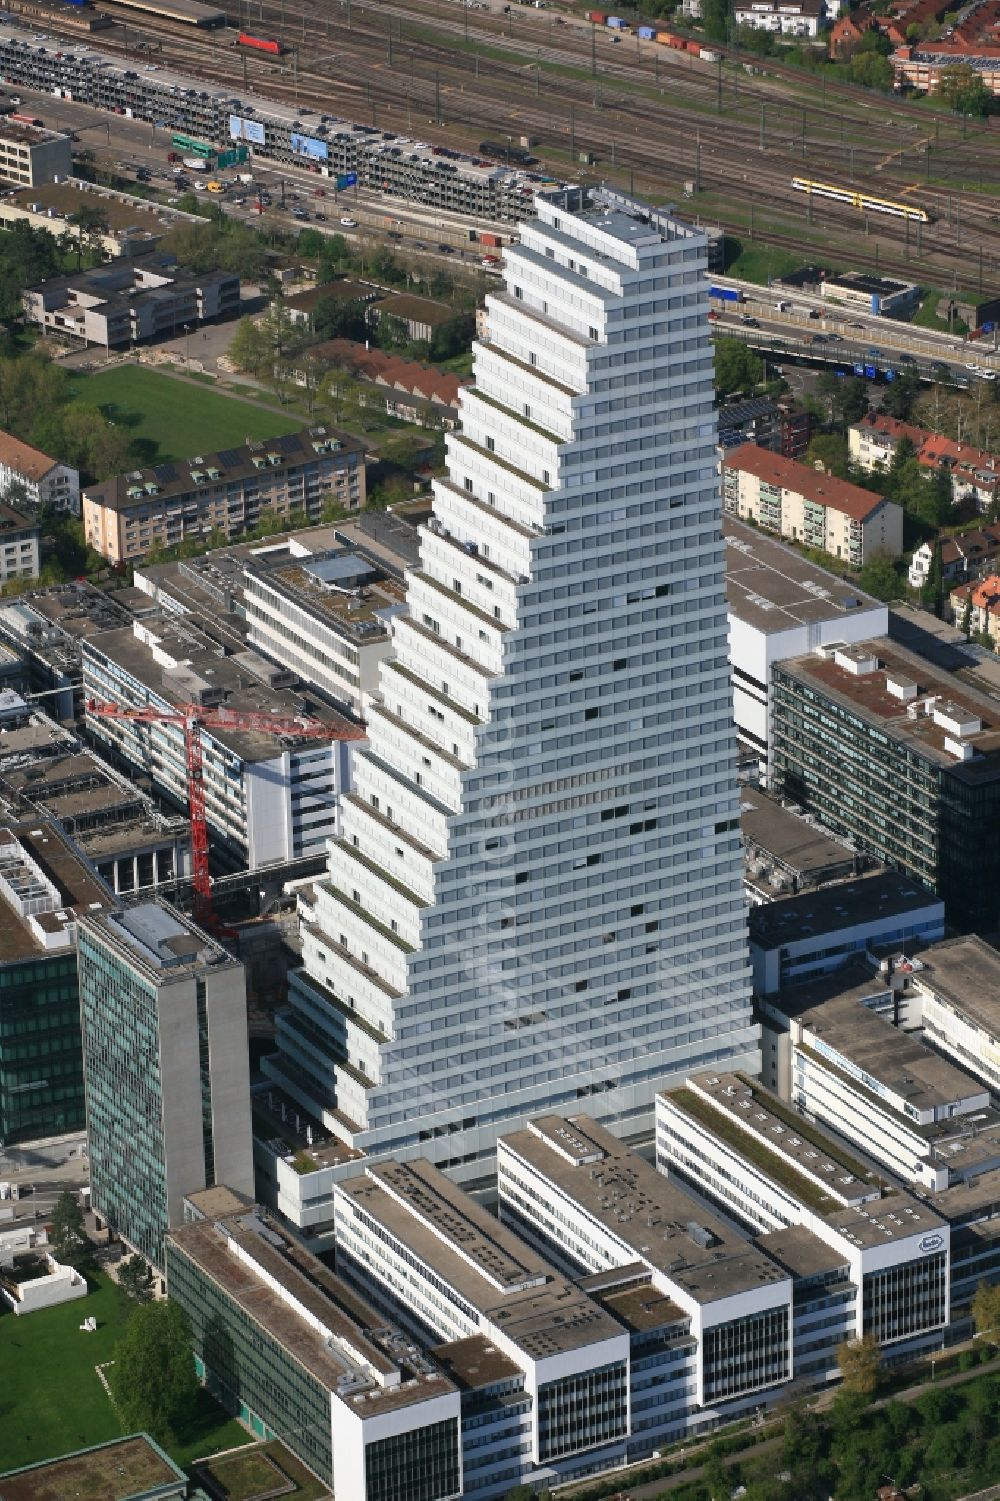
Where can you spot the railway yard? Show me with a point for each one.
(665, 123)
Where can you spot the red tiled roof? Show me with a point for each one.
(934, 449)
(822, 489)
(387, 369)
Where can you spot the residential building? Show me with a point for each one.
(44, 887)
(225, 493)
(872, 294)
(782, 426)
(166, 1069)
(286, 1344)
(921, 66)
(803, 505)
(412, 390)
(710, 1316)
(842, 1053)
(780, 605)
(975, 474)
(37, 478)
(267, 798)
(847, 31)
(901, 756)
(798, 937)
(301, 306)
(962, 556)
(798, 18)
(417, 317)
(30, 155)
(539, 765)
(130, 301)
(786, 851)
(976, 607)
(19, 545)
(865, 1257)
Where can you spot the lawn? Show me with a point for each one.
(759, 262)
(169, 419)
(927, 316)
(51, 1400)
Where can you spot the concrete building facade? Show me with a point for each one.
(31, 155)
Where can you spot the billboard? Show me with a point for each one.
(246, 130)
(346, 180)
(309, 146)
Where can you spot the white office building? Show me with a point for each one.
(536, 899)
(867, 1257)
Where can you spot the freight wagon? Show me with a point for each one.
(513, 154)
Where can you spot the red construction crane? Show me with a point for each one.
(192, 719)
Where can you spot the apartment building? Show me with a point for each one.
(803, 505)
(44, 886)
(129, 301)
(864, 1257)
(165, 1066)
(902, 757)
(19, 545)
(30, 155)
(538, 764)
(780, 604)
(227, 493)
(299, 1354)
(37, 478)
(965, 555)
(975, 473)
(798, 18)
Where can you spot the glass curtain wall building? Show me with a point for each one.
(536, 900)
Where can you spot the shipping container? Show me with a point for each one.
(597, 16)
(486, 237)
(261, 43)
(647, 33)
(707, 55)
(617, 23)
(694, 47)
(667, 39)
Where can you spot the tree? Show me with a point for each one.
(153, 1378)
(335, 318)
(871, 70)
(963, 90)
(136, 1279)
(880, 578)
(966, 625)
(899, 396)
(737, 368)
(91, 224)
(932, 593)
(860, 1362)
(68, 1236)
(251, 348)
(986, 1311)
(830, 450)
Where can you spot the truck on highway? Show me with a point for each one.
(195, 163)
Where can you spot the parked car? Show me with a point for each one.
(348, 222)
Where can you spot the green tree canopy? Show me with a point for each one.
(986, 1310)
(737, 368)
(964, 91)
(136, 1279)
(153, 1378)
(860, 1360)
(68, 1236)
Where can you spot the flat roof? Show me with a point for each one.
(341, 590)
(121, 211)
(669, 1230)
(81, 890)
(866, 695)
(800, 1251)
(965, 972)
(125, 1469)
(160, 941)
(315, 1317)
(474, 1363)
(805, 849)
(879, 896)
(773, 588)
(503, 1278)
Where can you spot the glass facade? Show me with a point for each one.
(41, 1059)
(421, 1465)
(907, 1299)
(124, 1098)
(247, 1369)
(746, 1354)
(582, 1411)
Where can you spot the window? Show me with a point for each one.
(491, 445)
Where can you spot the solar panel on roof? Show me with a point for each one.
(287, 443)
(164, 474)
(230, 458)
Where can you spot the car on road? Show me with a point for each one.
(490, 260)
(856, 325)
(299, 213)
(834, 339)
(972, 368)
(905, 359)
(348, 222)
(445, 249)
(215, 187)
(320, 217)
(750, 322)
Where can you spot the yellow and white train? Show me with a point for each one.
(859, 199)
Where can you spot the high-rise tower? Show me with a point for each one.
(536, 903)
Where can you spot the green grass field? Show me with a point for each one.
(168, 419)
(51, 1399)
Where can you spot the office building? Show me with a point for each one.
(815, 509)
(786, 851)
(903, 757)
(536, 898)
(130, 301)
(839, 1051)
(47, 626)
(30, 155)
(36, 477)
(267, 798)
(781, 604)
(300, 1356)
(166, 1069)
(865, 1258)
(224, 493)
(44, 887)
(956, 985)
(796, 937)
